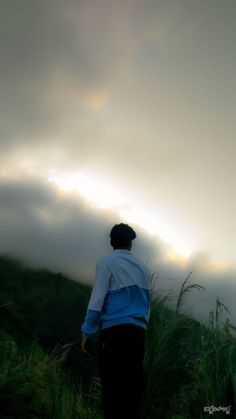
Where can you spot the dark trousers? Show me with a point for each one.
(120, 360)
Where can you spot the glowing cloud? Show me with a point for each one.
(101, 194)
(94, 190)
(95, 100)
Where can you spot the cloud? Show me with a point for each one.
(46, 227)
(49, 228)
(56, 60)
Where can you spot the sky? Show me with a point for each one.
(120, 111)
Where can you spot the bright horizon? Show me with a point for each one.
(101, 194)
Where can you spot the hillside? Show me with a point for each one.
(187, 365)
(46, 306)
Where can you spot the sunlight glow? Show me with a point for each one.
(99, 194)
(103, 195)
(95, 100)
(175, 257)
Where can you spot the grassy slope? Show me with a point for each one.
(48, 306)
(187, 365)
(40, 318)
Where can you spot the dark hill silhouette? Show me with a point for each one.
(48, 307)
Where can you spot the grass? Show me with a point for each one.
(187, 366)
(32, 385)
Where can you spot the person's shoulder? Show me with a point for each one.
(104, 260)
(109, 259)
(138, 258)
(142, 263)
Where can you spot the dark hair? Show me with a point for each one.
(121, 235)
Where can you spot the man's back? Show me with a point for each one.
(128, 295)
(121, 292)
(126, 269)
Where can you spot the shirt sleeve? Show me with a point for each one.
(100, 288)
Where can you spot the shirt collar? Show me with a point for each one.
(122, 250)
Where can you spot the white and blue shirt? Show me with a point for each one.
(121, 293)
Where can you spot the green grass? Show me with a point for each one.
(33, 385)
(187, 365)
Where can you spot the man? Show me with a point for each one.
(119, 308)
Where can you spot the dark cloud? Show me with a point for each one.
(57, 231)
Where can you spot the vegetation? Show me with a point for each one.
(188, 365)
(32, 385)
(44, 373)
